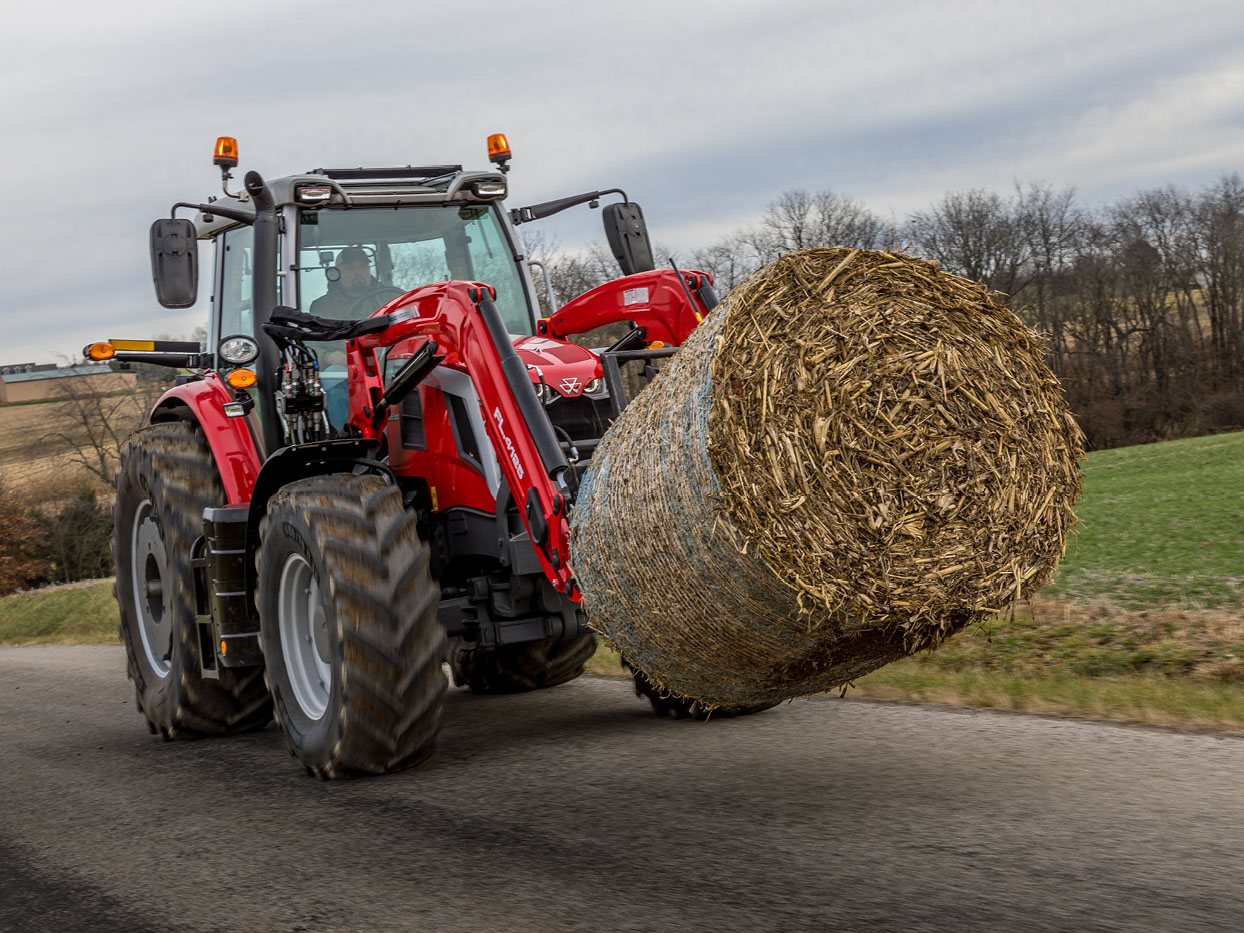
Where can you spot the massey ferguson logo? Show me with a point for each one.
(571, 385)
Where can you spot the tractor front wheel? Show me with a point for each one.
(166, 479)
(348, 622)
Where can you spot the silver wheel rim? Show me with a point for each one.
(149, 576)
(303, 626)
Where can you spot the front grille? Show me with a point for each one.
(582, 418)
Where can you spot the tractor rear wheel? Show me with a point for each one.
(668, 706)
(348, 622)
(519, 668)
(166, 479)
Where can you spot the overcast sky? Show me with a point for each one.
(702, 111)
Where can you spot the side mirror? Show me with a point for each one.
(175, 262)
(628, 237)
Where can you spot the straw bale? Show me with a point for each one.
(856, 455)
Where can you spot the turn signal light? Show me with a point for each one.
(100, 351)
(226, 155)
(242, 378)
(224, 648)
(498, 148)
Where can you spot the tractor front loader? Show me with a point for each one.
(371, 467)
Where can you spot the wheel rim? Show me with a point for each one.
(149, 576)
(303, 625)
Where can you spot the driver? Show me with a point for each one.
(354, 280)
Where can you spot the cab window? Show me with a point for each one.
(236, 306)
(350, 262)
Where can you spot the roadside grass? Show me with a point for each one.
(77, 614)
(1143, 699)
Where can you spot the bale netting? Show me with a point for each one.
(853, 457)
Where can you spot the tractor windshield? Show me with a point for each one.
(351, 262)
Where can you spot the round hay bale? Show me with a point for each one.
(853, 457)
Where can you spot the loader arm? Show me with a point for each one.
(667, 309)
(471, 337)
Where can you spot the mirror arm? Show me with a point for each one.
(232, 213)
(521, 215)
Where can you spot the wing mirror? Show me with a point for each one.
(628, 237)
(175, 262)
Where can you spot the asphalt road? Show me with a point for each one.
(574, 809)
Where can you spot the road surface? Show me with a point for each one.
(574, 809)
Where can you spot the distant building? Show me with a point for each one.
(46, 381)
(26, 368)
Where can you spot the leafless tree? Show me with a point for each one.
(92, 425)
(973, 233)
(800, 219)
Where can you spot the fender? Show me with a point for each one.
(232, 445)
(301, 461)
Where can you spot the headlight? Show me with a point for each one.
(594, 387)
(239, 350)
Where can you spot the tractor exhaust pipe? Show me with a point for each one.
(263, 278)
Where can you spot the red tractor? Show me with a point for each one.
(370, 471)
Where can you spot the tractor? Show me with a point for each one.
(368, 471)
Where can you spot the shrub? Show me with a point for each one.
(23, 545)
(79, 539)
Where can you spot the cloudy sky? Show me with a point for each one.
(703, 110)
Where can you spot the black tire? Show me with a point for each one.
(167, 477)
(519, 668)
(667, 706)
(379, 639)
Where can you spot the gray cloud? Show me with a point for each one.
(702, 110)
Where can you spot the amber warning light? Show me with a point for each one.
(100, 351)
(226, 154)
(499, 150)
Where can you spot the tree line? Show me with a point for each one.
(1141, 300)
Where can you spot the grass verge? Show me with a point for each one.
(77, 614)
(1143, 699)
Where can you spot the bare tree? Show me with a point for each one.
(1218, 222)
(729, 261)
(973, 233)
(92, 424)
(800, 219)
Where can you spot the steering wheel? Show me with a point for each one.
(365, 304)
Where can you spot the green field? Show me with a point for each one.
(1145, 623)
(1162, 525)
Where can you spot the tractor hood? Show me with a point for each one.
(566, 368)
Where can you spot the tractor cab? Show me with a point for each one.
(352, 240)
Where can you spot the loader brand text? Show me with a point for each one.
(509, 444)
